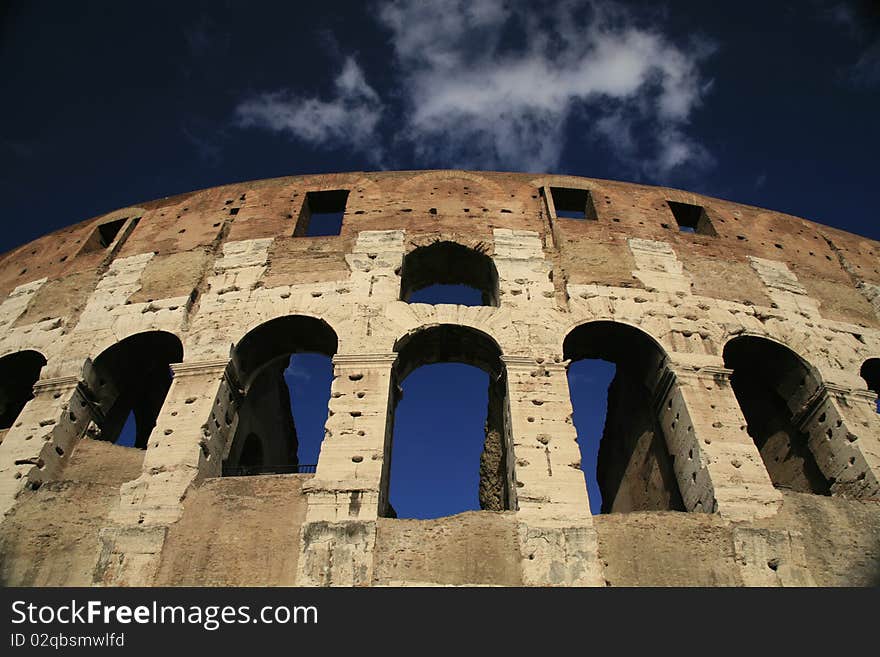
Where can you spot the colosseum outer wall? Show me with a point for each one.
(204, 270)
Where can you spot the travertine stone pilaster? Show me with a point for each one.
(44, 336)
(523, 271)
(17, 302)
(120, 281)
(375, 263)
(37, 446)
(783, 287)
(549, 480)
(350, 486)
(843, 426)
(182, 446)
(229, 301)
(658, 268)
(185, 445)
(872, 293)
(558, 543)
(356, 443)
(717, 464)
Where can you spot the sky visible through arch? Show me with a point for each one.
(108, 103)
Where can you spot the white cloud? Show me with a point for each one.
(348, 119)
(468, 94)
(472, 103)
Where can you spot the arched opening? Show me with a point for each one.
(278, 388)
(251, 453)
(451, 456)
(128, 383)
(870, 372)
(776, 390)
(446, 272)
(18, 374)
(613, 376)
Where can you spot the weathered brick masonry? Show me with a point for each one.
(742, 445)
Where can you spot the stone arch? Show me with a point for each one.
(799, 345)
(635, 470)
(779, 394)
(870, 372)
(19, 371)
(307, 311)
(287, 334)
(255, 398)
(437, 343)
(252, 452)
(630, 327)
(130, 377)
(106, 341)
(494, 322)
(443, 343)
(449, 263)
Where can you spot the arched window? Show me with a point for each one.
(446, 272)
(870, 372)
(251, 455)
(613, 379)
(280, 377)
(776, 389)
(450, 457)
(18, 374)
(128, 383)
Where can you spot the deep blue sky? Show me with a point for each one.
(109, 103)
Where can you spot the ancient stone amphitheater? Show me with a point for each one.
(742, 441)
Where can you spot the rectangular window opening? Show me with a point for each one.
(321, 214)
(573, 203)
(103, 236)
(691, 218)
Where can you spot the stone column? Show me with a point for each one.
(37, 446)
(716, 462)
(843, 430)
(186, 445)
(557, 539)
(349, 490)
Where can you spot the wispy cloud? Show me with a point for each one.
(860, 20)
(494, 84)
(349, 118)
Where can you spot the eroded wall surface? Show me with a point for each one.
(50, 537)
(210, 266)
(237, 531)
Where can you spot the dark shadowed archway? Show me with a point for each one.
(436, 270)
(630, 465)
(775, 389)
(18, 374)
(870, 372)
(262, 375)
(129, 381)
